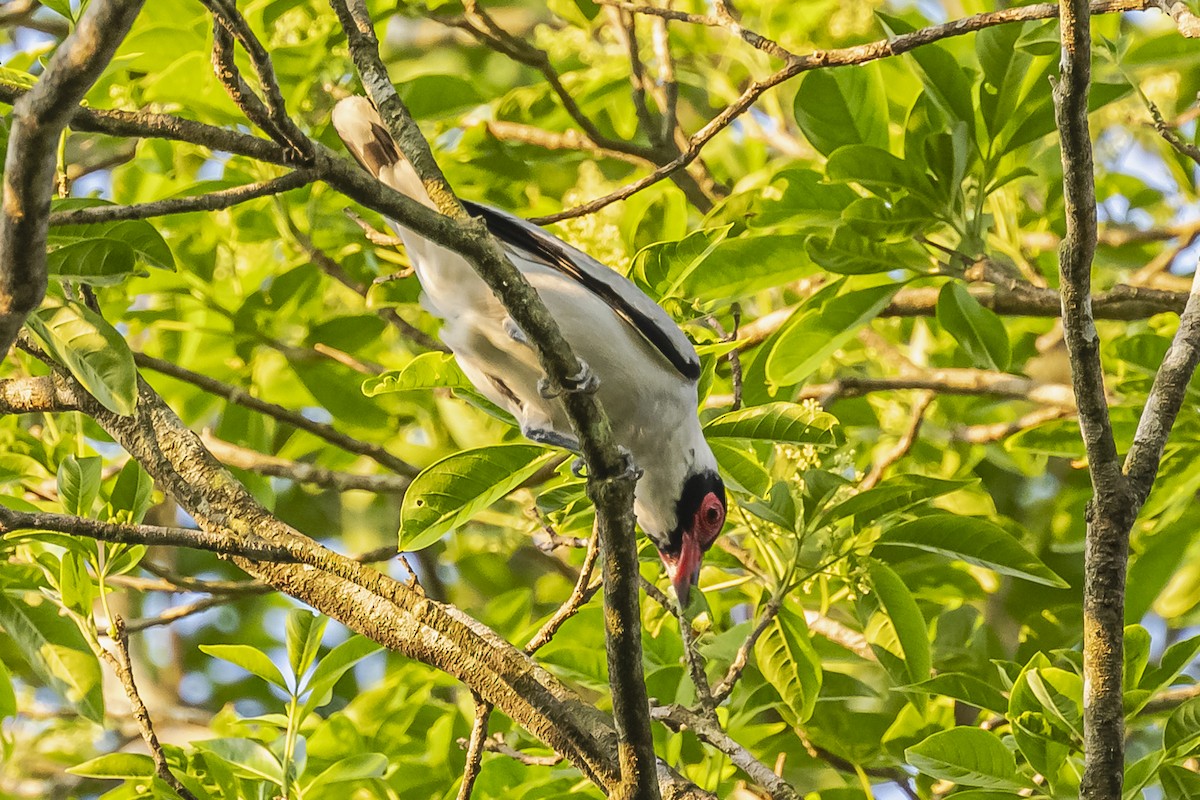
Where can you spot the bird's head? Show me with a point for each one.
(682, 515)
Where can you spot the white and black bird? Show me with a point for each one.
(646, 367)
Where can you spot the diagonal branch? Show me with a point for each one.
(858, 54)
(37, 121)
(610, 475)
(395, 614)
(241, 397)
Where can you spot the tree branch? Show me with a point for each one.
(392, 613)
(610, 475)
(122, 666)
(38, 119)
(1110, 512)
(213, 201)
(223, 543)
(238, 396)
(262, 464)
(679, 718)
(858, 54)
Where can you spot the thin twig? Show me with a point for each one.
(153, 535)
(475, 747)
(213, 201)
(859, 54)
(678, 718)
(123, 667)
(907, 439)
(270, 113)
(177, 613)
(241, 397)
(244, 458)
(580, 595)
(722, 690)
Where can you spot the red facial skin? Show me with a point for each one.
(698, 536)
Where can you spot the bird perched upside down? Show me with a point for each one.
(646, 368)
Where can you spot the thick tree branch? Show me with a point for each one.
(1111, 511)
(392, 613)
(611, 477)
(38, 119)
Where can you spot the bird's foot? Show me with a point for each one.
(584, 381)
(552, 438)
(631, 471)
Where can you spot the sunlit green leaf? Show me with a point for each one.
(92, 350)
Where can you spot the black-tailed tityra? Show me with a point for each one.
(647, 369)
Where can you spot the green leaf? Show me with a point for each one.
(330, 669)
(844, 105)
(116, 766)
(787, 660)
(967, 688)
(1181, 736)
(977, 329)
(894, 494)
(57, 651)
(966, 756)
(132, 493)
(1137, 655)
(352, 768)
(819, 329)
(248, 758)
(8, 698)
(876, 219)
(145, 243)
(909, 624)
(848, 252)
(448, 493)
(1179, 783)
(60, 6)
(971, 539)
(99, 262)
(249, 658)
(92, 350)
(743, 265)
(75, 584)
(661, 268)
(427, 371)
(79, 484)
(876, 169)
(777, 422)
(741, 466)
(304, 631)
(1058, 694)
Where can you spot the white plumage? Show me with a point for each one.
(646, 367)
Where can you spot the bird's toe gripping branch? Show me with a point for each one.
(584, 381)
(632, 470)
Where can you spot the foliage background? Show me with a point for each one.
(928, 522)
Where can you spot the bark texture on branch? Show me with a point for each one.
(395, 614)
(610, 474)
(1111, 511)
(38, 119)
